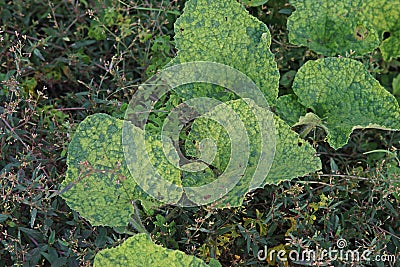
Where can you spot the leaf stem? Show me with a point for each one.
(136, 221)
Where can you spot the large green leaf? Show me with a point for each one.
(289, 109)
(222, 31)
(98, 184)
(293, 157)
(153, 163)
(140, 251)
(333, 27)
(345, 96)
(165, 163)
(255, 163)
(384, 16)
(390, 47)
(198, 179)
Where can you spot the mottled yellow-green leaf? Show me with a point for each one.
(222, 31)
(384, 15)
(289, 109)
(345, 96)
(334, 27)
(390, 47)
(140, 251)
(247, 175)
(98, 184)
(152, 163)
(292, 157)
(331, 27)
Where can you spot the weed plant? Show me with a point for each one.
(64, 60)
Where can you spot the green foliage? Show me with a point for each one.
(98, 184)
(97, 175)
(289, 109)
(289, 149)
(331, 27)
(316, 85)
(383, 15)
(224, 32)
(287, 78)
(227, 156)
(104, 180)
(293, 158)
(140, 251)
(345, 96)
(52, 76)
(64, 61)
(96, 144)
(340, 27)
